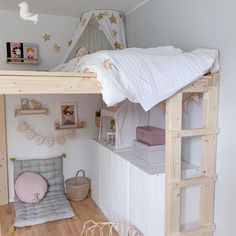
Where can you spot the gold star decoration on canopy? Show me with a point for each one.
(100, 16)
(46, 37)
(56, 48)
(112, 18)
(117, 45)
(114, 32)
(69, 42)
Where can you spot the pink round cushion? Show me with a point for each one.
(30, 187)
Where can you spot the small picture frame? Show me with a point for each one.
(68, 115)
(25, 104)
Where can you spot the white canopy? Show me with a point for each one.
(98, 30)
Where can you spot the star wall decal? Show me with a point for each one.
(46, 37)
(69, 42)
(112, 18)
(56, 48)
(117, 45)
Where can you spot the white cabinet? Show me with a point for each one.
(106, 182)
(96, 172)
(125, 193)
(120, 190)
(139, 199)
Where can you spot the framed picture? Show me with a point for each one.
(68, 114)
(25, 104)
(22, 53)
(30, 51)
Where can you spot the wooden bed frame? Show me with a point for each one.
(22, 82)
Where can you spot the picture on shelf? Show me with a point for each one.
(30, 51)
(68, 114)
(25, 104)
(22, 52)
(14, 52)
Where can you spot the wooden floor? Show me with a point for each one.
(85, 210)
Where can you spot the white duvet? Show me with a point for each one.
(147, 76)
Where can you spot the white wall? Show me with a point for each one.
(77, 150)
(191, 24)
(13, 29)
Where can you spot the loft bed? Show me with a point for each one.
(37, 82)
(132, 63)
(25, 82)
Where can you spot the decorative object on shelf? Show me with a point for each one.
(56, 48)
(25, 103)
(30, 107)
(68, 114)
(35, 105)
(40, 139)
(22, 53)
(118, 123)
(46, 37)
(25, 14)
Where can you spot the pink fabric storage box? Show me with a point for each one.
(150, 135)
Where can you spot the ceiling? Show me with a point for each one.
(71, 7)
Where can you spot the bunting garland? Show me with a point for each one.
(40, 140)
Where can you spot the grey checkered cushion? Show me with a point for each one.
(55, 205)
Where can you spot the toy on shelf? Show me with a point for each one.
(118, 124)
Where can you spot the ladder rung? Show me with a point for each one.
(198, 231)
(194, 132)
(193, 182)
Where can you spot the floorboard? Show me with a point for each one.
(86, 210)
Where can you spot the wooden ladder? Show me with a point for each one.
(208, 85)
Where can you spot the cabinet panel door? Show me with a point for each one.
(157, 207)
(106, 181)
(96, 172)
(120, 189)
(139, 199)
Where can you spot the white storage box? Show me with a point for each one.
(151, 154)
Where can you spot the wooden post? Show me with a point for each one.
(208, 154)
(3, 155)
(173, 165)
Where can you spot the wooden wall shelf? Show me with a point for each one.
(43, 111)
(22, 61)
(81, 125)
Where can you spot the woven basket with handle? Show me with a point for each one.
(77, 188)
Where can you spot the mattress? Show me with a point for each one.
(55, 205)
